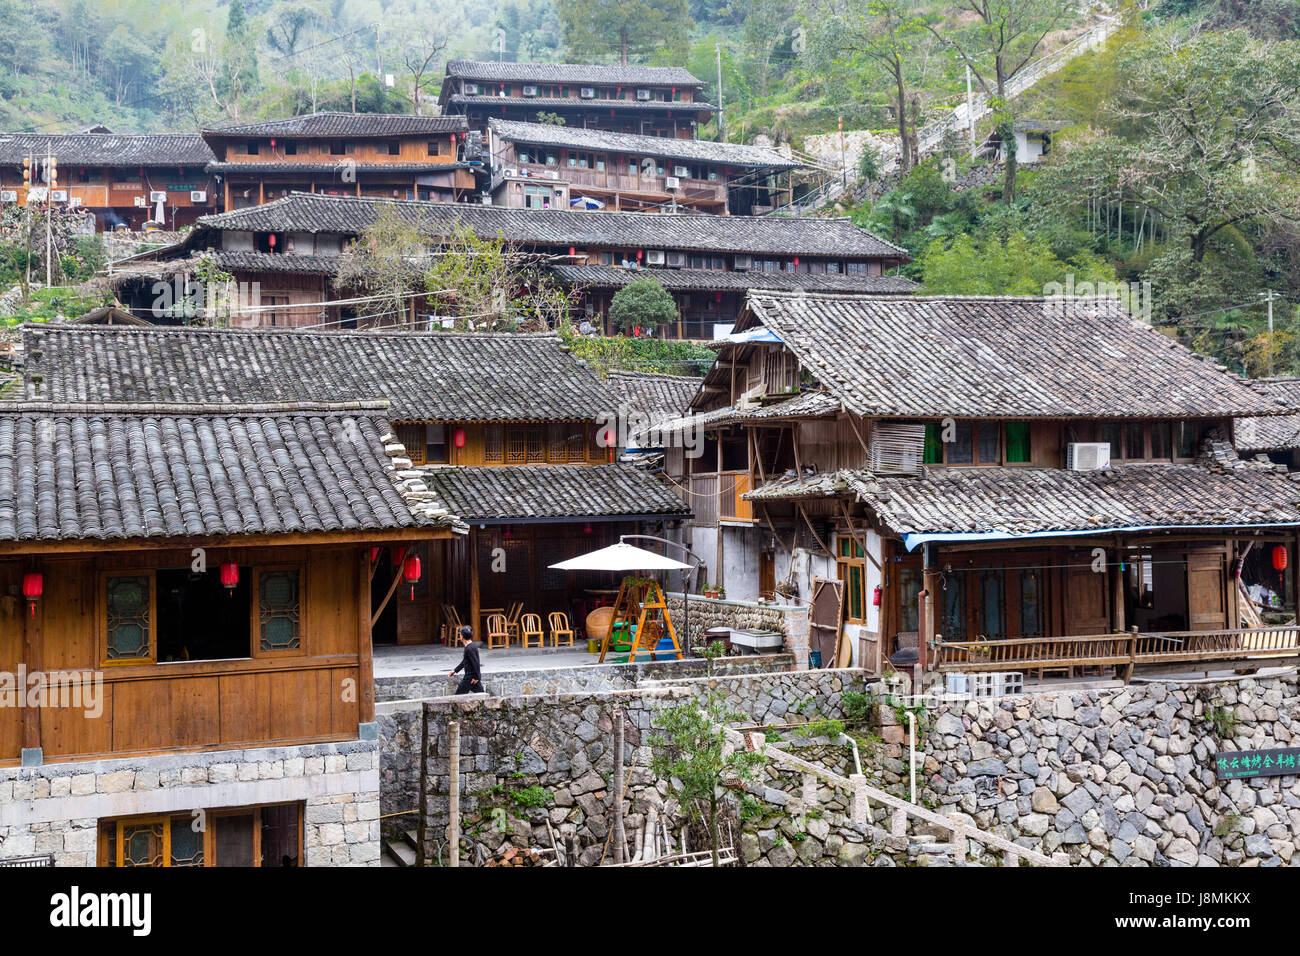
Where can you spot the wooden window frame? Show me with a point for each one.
(975, 425)
(846, 564)
(114, 848)
(255, 611)
(254, 636)
(1146, 425)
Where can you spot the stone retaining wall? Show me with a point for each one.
(562, 744)
(55, 808)
(1120, 776)
(788, 620)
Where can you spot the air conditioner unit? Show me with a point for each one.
(672, 182)
(8, 195)
(157, 196)
(742, 263)
(681, 171)
(58, 195)
(552, 175)
(676, 260)
(530, 91)
(643, 94)
(1087, 455)
(471, 89)
(654, 257)
(198, 196)
(587, 92)
(511, 173)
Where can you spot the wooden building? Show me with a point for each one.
(647, 100)
(124, 180)
(1001, 481)
(342, 154)
(185, 623)
(544, 166)
(290, 249)
(505, 431)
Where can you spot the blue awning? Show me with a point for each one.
(910, 541)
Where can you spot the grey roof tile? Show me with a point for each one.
(311, 125)
(687, 150)
(1276, 433)
(107, 149)
(614, 277)
(653, 394)
(489, 70)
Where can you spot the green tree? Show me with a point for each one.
(239, 69)
(386, 262)
(642, 303)
(996, 265)
(693, 754)
(997, 43)
(595, 28)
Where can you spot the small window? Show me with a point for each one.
(290, 148)
(1185, 440)
(394, 147)
(933, 444)
(435, 442)
(279, 610)
(851, 569)
(961, 449)
(199, 619)
(1018, 448)
(128, 600)
(1110, 433)
(493, 444)
(1135, 446)
(252, 147)
(337, 147)
(990, 434)
(1160, 440)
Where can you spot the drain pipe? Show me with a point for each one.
(911, 755)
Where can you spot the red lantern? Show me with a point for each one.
(374, 555)
(229, 575)
(271, 240)
(586, 528)
(458, 438)
(411, 572)
(1279, 557)
(875, 596)
(33, 587)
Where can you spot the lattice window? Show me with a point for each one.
(557, 443)
(128, 600)
(525, 444)
(412, 436)
(186, 847)
(278, 611)
(142, 844)
(493, 444)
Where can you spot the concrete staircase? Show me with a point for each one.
(400, 852)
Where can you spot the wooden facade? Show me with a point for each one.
(126, 195)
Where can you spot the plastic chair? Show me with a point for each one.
(497, 633)
(559, 622)
(530, 629)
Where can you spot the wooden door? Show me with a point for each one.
(1087, 597)
(766, 574)
(415, 614)
(825, 614)
(1207, 607)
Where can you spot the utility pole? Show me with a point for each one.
(844, 169)
(1268, 297)
(51, 180)
(722, 127)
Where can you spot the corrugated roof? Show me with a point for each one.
(311, 125)
(489, 70)
(760, 235)
(437, 376)
(523, 492)
(1021, 357)
(687, 150)
(107, 149)
(87, 472)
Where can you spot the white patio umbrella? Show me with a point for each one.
(621, 557)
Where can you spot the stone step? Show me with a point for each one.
(412, 838)
(400, 853)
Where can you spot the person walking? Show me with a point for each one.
(472, 680)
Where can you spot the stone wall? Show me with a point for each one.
(55, 809)
(562, 744)
(788, 620)
(1121, 776)
(586, 678)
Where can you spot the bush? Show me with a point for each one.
(642, 304)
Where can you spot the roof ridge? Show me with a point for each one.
(57, 328)
(232, 409)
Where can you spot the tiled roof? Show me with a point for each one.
(1023, 357)
(1277, 433)
(827, 484)
(438, 376)
(345, 124)
(113, 472)
(809, 404)
(613, 277)
(1021, 501)
(242, 260)
(232, 166)
(652, 394)
(107, 149)
(687, 150)
(555, 104)
(520, 492)
(760, 235)
(489, 70)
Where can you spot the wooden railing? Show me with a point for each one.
(1119, 649)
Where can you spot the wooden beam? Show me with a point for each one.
(475, 600)
(365, 641)
(392, 588)
(33, 616)
(86, 545)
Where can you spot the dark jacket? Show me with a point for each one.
(470, 665)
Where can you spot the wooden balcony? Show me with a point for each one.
(716, 497)
(1120, 650)
(608, 181)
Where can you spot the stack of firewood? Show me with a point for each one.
(517, 857)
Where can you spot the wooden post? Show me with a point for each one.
(475, 602)
(620, 840)
(453, 793)
(365, 648)
(1117, 590)
(33, 658)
